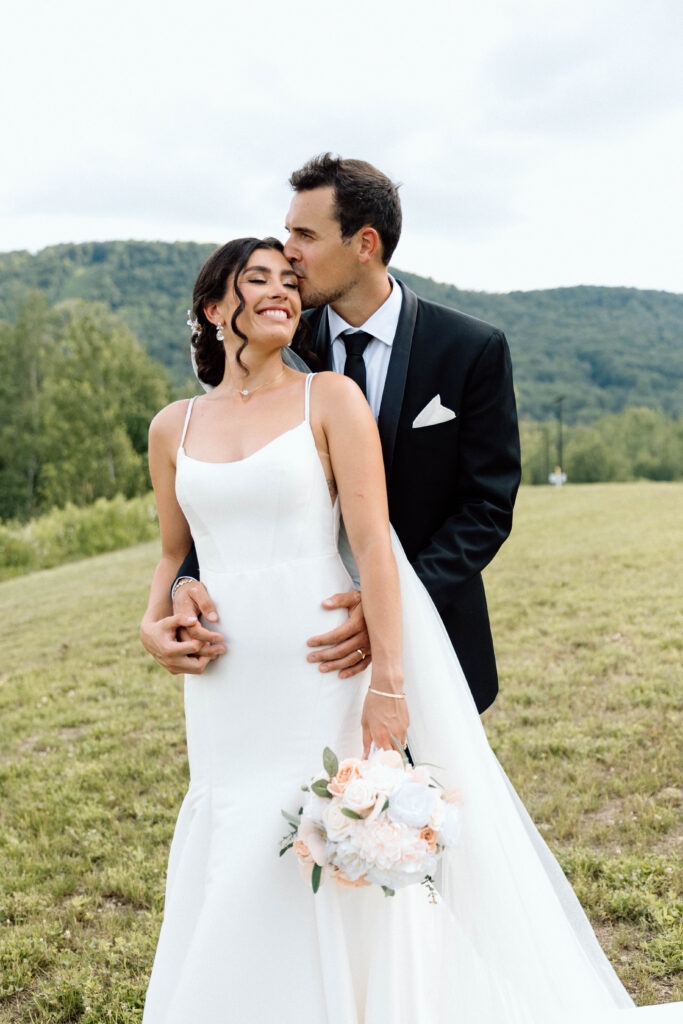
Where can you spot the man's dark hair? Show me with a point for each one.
(363, 195)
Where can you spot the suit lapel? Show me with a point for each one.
(320, 328)
(394, 388)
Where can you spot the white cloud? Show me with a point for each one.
(535, 141)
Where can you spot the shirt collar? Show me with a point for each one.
(381, 325)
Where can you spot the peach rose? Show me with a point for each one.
(430, 836)
(302, 851)
(348, 769)
(349, 883)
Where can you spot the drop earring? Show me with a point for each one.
(219, 332)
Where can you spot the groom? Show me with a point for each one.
(440, 385)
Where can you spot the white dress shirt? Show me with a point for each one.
(382, 326)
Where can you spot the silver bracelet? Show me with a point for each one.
(180, 582)
(383, 693)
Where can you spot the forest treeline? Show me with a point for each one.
(637, 444)
(603, 349)
(79, 386)
(77, 393)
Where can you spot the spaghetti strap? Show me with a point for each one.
(307, 406)
(187, 420)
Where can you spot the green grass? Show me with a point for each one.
(588, 620)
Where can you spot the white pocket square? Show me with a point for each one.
(433, 412)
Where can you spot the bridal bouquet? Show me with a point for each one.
(380, 821)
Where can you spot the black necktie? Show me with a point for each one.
(354, 367)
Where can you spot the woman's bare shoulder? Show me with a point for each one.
(337, 388)
(168, 422)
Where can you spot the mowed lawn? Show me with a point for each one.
(587, 608)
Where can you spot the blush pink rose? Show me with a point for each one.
(302, 851)
(348, 769)
(430, 836)
(350, 883)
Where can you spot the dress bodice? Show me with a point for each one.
(271, 507)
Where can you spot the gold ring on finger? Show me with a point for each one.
(362, 656)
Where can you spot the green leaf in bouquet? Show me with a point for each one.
(399, 748)
(385, 806)
(285, 848)
(351, 814)
(319, 787)
(330, 762)
(315, 877)
(291, 818)
(387, 891)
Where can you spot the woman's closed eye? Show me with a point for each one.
(287, 284)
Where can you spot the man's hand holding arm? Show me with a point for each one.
(345, 649)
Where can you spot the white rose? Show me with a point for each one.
(359, 796)
(337, 825)
(449, 833)
(390, 758)
(412, 804)
(384, 778)
(393, 879)
(346, 857)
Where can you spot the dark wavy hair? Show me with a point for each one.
(363, 195)
(222, 266)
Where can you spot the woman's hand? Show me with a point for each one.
(382, 718)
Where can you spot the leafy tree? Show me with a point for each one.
(27, 355)
(79, 393)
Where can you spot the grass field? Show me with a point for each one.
(587, 609)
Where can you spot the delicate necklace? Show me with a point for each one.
(245, 393)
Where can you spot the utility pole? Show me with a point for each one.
(560, 454)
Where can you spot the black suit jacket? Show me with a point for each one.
(451, 486)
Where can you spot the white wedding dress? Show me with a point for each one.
(243, 938)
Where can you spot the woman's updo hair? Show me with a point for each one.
(224, 264)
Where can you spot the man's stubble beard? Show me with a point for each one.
(315, 299)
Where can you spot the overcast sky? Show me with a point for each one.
(538, 141)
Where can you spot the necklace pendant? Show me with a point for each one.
(245, 393)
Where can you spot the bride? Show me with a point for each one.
(255, 473)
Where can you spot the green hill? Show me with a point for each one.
(605, 349)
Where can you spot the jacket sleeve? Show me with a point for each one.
(488, 469)
(190, 566)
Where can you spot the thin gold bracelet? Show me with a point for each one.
(383, 693)
(181, 583)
